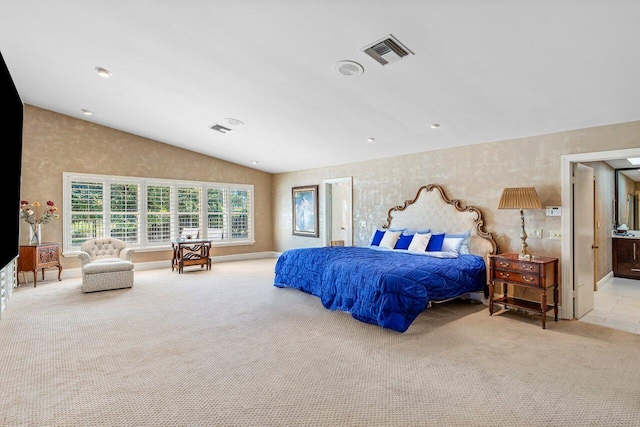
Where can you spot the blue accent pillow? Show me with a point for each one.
(435, 243)
(377, 237)
(404, 241)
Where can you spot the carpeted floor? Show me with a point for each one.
(227, 348)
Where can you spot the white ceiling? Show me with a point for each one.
(484, 70)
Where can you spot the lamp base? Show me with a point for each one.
(524, 255)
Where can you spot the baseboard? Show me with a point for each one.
(604, 281)
(52, 274)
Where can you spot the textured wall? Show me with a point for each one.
(475, 174)
(54, 143)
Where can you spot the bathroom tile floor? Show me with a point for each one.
(617, 305)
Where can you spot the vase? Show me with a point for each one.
(35, 234)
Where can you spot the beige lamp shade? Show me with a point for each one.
(519, 198)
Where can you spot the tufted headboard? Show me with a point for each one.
(431, 208)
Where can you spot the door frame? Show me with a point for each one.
(566, 257)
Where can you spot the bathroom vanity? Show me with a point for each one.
(626, 255)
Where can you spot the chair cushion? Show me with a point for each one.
(107, 265)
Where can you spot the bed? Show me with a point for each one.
(387, 283)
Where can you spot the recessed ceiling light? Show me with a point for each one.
(434, 125)
(347, 69)
(86, 112)
(253, 162)
(233, 122)
(370, 139)
(103, 72)
(635, 161)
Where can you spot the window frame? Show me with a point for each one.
(143, 244)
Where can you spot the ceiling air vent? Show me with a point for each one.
(220, 128)
(387, 50)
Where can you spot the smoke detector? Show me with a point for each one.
(347, 69)
(387, 50)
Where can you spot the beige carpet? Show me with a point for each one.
(227, 348)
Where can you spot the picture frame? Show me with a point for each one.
(305, 211)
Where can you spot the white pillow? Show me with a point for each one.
(452, 244)
(419, 242)
(464, 248)
(389, 239)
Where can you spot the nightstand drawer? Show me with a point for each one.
(523, 266)
(514, 277)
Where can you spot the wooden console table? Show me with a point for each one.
(36, 257)
(540, 273)
(191, 252)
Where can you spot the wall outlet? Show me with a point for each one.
(555, 234)
(534, 233)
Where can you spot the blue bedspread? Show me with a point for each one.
(386, 288)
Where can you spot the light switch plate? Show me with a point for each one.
(534, 233)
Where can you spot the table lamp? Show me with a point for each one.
(520, 198)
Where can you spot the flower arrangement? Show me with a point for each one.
(35, 214)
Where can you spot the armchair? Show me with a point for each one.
(106, 264)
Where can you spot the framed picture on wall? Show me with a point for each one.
(305, 210)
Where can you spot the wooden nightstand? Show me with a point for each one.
(540, 272)
(41, 256)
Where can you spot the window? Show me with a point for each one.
(150, 213)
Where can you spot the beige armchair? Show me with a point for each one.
(106, 264)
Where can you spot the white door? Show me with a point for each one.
(583, 239)
(338, 208)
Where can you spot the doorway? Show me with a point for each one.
(338, 211)
(567, 220)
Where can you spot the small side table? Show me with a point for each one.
(39, 256)
(191, 252)
(541, 272)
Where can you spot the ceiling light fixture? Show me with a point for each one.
(254, 162)
(370, 139)
(233, 122)
(103, 72)
(86, 112)
(347, 69)
(434, 125)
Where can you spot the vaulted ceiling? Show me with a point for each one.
(483, 70)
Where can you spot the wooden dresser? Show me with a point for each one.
(540, 272)
(39, 257)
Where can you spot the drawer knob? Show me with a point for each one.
(504, 264)
(528, 278)
(527, 267)
(504, 275)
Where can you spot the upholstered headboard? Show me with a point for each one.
(432, 209)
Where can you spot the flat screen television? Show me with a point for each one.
(11, 124)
